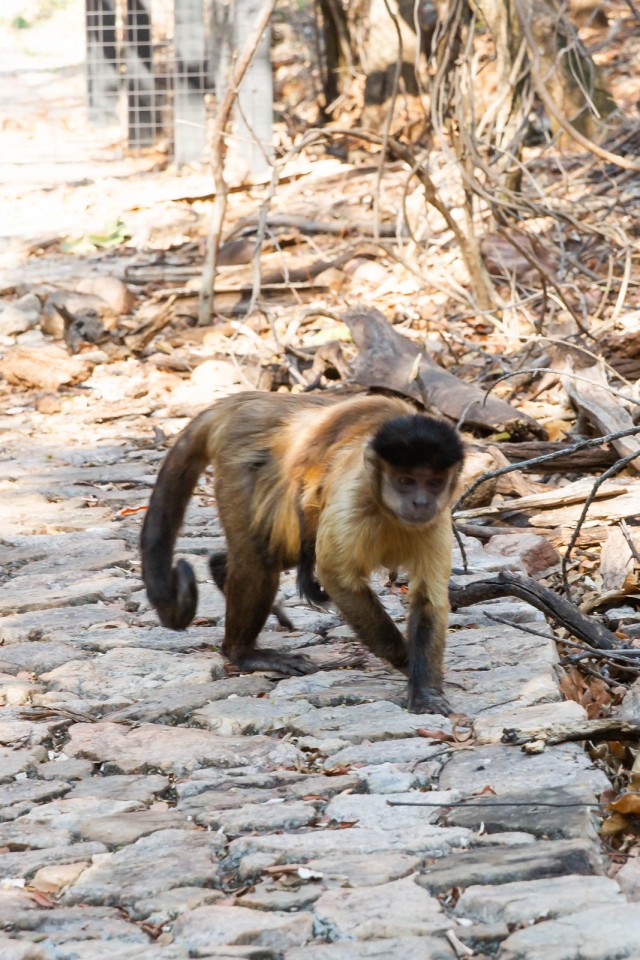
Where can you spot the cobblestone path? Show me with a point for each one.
(153, 805)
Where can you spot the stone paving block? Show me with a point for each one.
(395, 909)
(151, 865)
(38, 657)
(491, 725)
(16, 762)
(535, 812)
(26, 593)
(64, 623)
(169, 904)
(400, 948)
(599, 933)
(375, 812)
(270, 815)
(16, 950)
(211, 926)
(176, 750)
(116, 635)
(364, 870)
(133, 672)
(76, 923)
(250, 715)
(506, 864)
(425, 840)
(366, 721)
(25, 863)
(336, 687)
(510, 771)
(528, 901)
(188, 697)
(403, 750)
(499, 645)
(473, 692)
(141, 789)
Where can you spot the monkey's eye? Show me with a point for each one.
(436, 485)
(406, 482)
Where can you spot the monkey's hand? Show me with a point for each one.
(428, 700)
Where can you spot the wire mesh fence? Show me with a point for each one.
(148, 71)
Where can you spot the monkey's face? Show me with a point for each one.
(416, 495)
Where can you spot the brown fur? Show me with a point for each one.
(295, 473)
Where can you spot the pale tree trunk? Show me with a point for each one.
(249, 147)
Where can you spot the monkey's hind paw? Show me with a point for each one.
(428, 701)
(285, 664)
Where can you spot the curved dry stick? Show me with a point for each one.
(548, 101)
(205, 306)
(544, 458)
(611, 472)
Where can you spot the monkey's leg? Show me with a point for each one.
(364, 612)
(426, 635)
(250, 589)
(218, 567)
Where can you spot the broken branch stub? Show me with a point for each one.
(388, 360)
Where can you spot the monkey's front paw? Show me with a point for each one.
(272, 661)
(428, 701)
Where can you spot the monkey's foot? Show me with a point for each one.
(286, 664)
(428, 701)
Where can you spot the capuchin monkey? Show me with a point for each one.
(336, 487)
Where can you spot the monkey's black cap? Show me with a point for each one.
(418, 441)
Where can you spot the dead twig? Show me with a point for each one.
(598, 731)
(205, 307)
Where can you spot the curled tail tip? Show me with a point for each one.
(175, 602)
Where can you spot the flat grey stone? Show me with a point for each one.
(473, 692)
(15, 762)
(78, 923)
(403, 750)
(628, 876)
(264, 817)
(249, 715)
(510, 770)
(26, 593)
(19, 950)
(185, 700)
(25, 863)
(122, 828)
(375, 812)
(132, 672)
(140, 789)
(62, 767)
(269, 896)
(169, 904)
(598, 933)
(342, 687)
(425, 840)
(399, 948)
(395, 909)
(498, 645)
(506, 864)
(210, 926)
(176, 750)
(386, 778)
(39, 656)
(366, 721)
(153, 637)
(148, 867)
(528, 901)
(216, 801)
(491, 725)
(65, 623)
(530, 814)
(364, 870)
(26, 793)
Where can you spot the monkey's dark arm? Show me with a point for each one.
(364, 612)
(426, 637)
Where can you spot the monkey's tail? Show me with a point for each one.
(172, 590)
